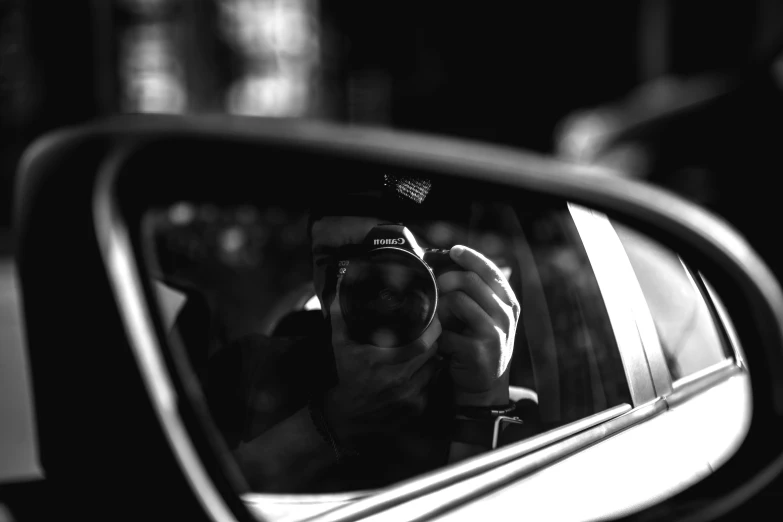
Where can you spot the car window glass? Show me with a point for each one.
(689, 335)
(241, 288)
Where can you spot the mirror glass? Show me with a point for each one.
(350, 343)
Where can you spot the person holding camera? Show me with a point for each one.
(408, 370)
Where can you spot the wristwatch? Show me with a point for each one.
(482, 426)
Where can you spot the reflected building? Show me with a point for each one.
(149, 57)
(279, 46)
(246, 57)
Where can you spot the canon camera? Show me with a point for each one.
(387, 287)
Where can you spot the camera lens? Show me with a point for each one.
(388, 297)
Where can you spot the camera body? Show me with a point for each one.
(388, 286)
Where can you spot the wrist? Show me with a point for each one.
(481, 432)
(493, 397)
(496, 394)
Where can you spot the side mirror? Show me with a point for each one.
(625, 327)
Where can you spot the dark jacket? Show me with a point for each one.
(258, 381)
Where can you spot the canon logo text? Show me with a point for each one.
(398, 241)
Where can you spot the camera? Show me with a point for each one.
(387, 286)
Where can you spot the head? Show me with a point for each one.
(347, 215)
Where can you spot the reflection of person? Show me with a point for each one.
(325, 412)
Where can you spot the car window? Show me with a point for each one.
(685, 322)
(238, 285)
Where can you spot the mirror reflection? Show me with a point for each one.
(377, 335)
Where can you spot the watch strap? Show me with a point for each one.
(481, 432)
(486, 412)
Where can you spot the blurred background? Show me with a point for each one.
(686, 94)
(555, 78)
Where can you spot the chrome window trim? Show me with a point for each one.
(702, 380)
(615, 277)
(117, 253)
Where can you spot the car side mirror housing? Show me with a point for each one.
(139, 215)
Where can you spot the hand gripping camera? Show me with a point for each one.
(387, 286)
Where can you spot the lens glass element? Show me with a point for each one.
(388, 297)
